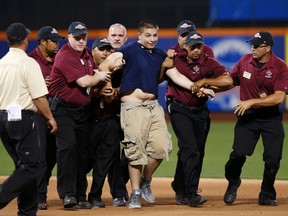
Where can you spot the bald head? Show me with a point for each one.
(117, 35)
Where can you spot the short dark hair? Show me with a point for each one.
(16, 33)
(147, 24)
(14, 43)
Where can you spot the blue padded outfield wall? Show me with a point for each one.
(228, 49)
(248, 10)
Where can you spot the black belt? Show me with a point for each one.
(66, 104)
(190, 108)
(23, 111)
(69, 105)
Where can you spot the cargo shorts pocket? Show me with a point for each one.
(132, 151)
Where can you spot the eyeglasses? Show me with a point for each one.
(258, 46)
(184, 35)
(80, 37)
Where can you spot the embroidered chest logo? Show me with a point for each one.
(268, 74)
(196, 70)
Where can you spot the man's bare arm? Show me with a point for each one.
(179, 78)
(184, 82)
(111, 62)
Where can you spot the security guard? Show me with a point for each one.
(22, 93)
(258, 114)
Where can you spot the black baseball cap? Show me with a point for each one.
(77, 28)
(48, 32)
(17, 32)
(262, 37)
(185, 26)
(194, 38)
(101, 42)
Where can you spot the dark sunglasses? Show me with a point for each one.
(184, 34)
(78, 38)
(258, 46)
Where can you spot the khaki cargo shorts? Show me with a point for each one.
(145, 132)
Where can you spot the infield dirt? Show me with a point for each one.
(212, 189)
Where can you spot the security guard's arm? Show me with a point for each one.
(265, 101)
(167, 63)
(92, 80)
(221, 83)
(42, 105)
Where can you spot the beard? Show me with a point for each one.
(51, 53)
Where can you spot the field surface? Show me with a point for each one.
(218, 147)
(212, 189)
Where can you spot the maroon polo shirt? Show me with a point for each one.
(69, 65)
(45, 65)
(253, 81)
(111, 109)
(205, 67)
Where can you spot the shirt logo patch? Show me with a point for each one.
(268, 74)
(196, 70)
(247, 75)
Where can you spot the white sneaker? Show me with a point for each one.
(146, 191)
(135, 200)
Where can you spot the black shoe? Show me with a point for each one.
(2, 205)
(84, 205)
(42, 205)
(69, 202)
(119, 201)
(231, 193)
(266, 201)
(97, 203)
(126, 196)
(180, 197)
(196, 200)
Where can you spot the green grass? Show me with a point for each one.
(218, 148)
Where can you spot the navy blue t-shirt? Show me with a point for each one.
(142, 68)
